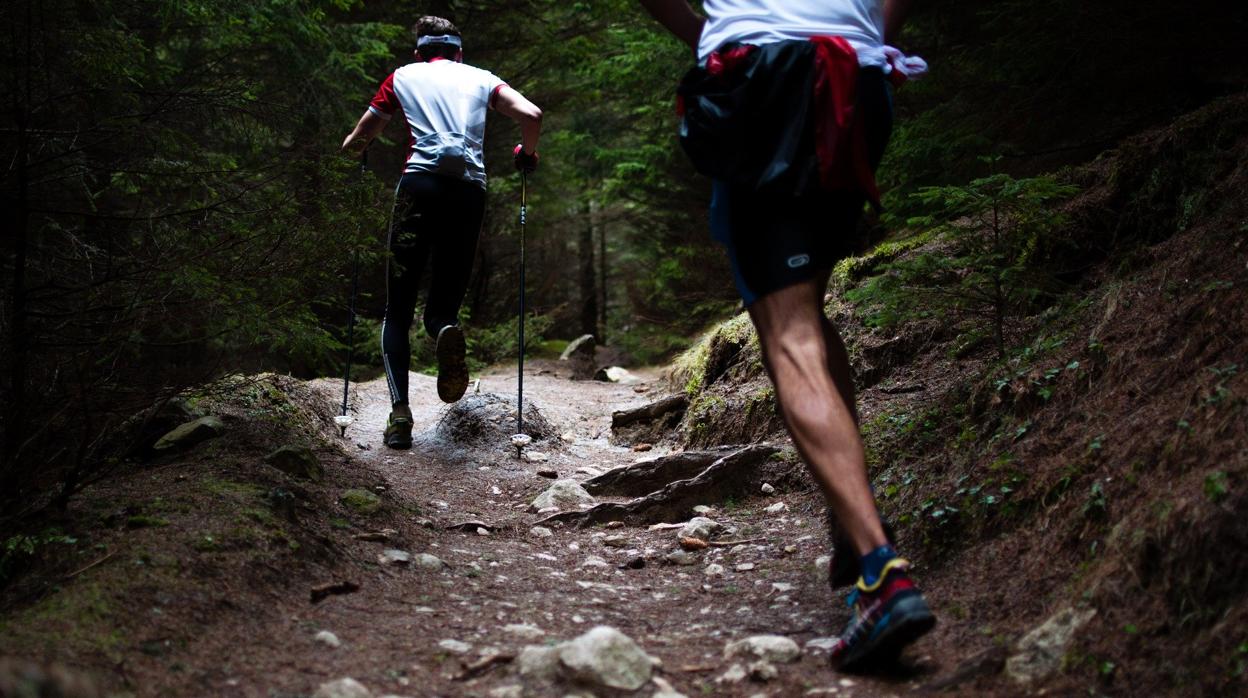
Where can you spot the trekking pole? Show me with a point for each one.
(520, 383)
(344, 420)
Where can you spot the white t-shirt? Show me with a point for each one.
(444, 103)
(758, 22)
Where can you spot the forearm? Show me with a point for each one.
(895, 12)
(366, 129)
(678, 18)
(516, 107)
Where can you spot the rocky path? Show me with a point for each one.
(456, 618)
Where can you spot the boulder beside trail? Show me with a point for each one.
(603, 658)
(1041, 651)
(771, 648)
(563, 494)
(189, 434)
(297, 462)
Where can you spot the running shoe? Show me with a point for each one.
(888, 615)
(399, 428)
(452, 367)
(846, 564)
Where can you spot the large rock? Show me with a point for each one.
(580, 357)
(580, 348)
(1040, 652)
(538, 662)
(189, 434)
(563, 494)
(361, 501)
(343, 688)
(606, 657)
(298, 462)
(771, 648)
(615, 374)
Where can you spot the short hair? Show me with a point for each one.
(436, 26)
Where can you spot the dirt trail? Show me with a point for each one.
(391, 629)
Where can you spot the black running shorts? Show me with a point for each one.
(777, 239)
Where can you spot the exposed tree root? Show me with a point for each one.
(645, 477)
(732, 475)
(648, 422)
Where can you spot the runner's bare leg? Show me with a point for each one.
(804, 357)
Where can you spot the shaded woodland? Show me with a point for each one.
(1052, 297)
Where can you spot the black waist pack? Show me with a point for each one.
(747, 116)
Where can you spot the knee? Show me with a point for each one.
(799, 346)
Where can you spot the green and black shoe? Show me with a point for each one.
(399, 428)
(452, 366)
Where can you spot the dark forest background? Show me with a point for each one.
(176, 210)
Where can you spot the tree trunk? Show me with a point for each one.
(602, 272)
(589, 293)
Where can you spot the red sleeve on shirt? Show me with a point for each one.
(494, 93)
(385, 103)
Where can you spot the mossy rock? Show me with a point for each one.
(189, 434)
(298, 462)
(361, 501)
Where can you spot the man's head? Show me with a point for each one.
(437, 38)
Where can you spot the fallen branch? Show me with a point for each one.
(71, 575)
(650, 412)
(733, 475)
(322, 591)
(483, 665)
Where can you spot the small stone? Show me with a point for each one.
(762, 671)
(821, 644)
(615, 524)
(394, 557)
(541, 532)
(745, 567)
(455, 646)
(776, 508)
(588, 471)
(536, 457)
(823, 569)
(790, 549)
(483, 531)
(361, 501)
(699, 527)
(680, 557)
(342, 688)
(664, 689)
(714, 570)
(767, 488)
(538, 662)
(189, 434)
(772, 648)
(327, 638)
(549, 473)
(642, 448)
(430, 562)
(568, 437)
(512, 691)
(595, 561)
(735, 674)
(846, 683)
(616, 541)
(298, 462)
(524, 630)
(702, 509)
(562, 493)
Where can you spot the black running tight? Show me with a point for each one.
(436, 222)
